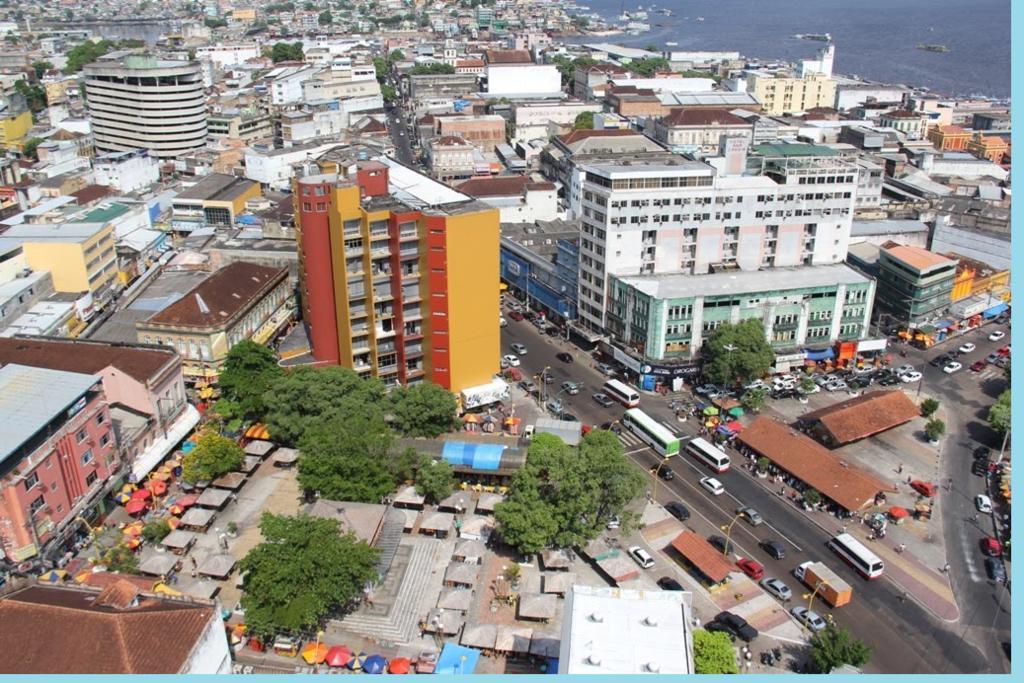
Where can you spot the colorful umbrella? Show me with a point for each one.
(898, 512)
(160, 476)
(375, 664)
(158, 487)
(711, 410)
(186, 501)
(129, 488)
(399, 665)
(53, 576)
(338, 656)
(135, 506)
(142, 494)
(356, 663)
(122, 497)
(132, 530)
(173, 522)
(314, 653)
(134, 543)
(175, 509)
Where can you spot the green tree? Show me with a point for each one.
(29, 148)
(307, 396)
(763, 463)
(213, 456)
(86, 53)
(304, 569)
(928, 407)
(423, 409)
(215, 23)
(999, 413)
(836, 646)
(434, 479)
(325, 18)
(388, 92)
(753, 400)
(807, 385)
(287, 52)
(934, 429)
(432, 69)
(41, 67)
(120, 559)
(737, 353)
(713, 653)
(35, 95)
(403, 467)
(812, 497)
(648, 66)
(249, 371)
(156, 531)
(563, 497)
(346, 459)
(584, 121)
(396, 56)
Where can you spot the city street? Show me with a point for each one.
(400, 135)
(906, 638)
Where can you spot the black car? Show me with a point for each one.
(716, 627)
(738, 625)
(677, 510)
(568, 417)
(666, 474)
(995, 569)
(889, 381)
(553, 332)
(667, 583)
(982, 453)
(613, 427)
(564, 357)
(719, 542)
(979, 468)
(773, 548)
(940, 360)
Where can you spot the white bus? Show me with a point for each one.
(664, 442)
(857, 556)
(708, 454)
(623, 393)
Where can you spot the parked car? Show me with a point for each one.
(515, 315)
(997, 335)
(721, 543)
(991, 358)
(603, 400)
(751, 515)
(983, 503)
(952, 367)
(571, 388)
(667, 583)
(979, 468)
(511, 360)
(777, 588)
(712, 485)
(982, 453)
(991, 547)
(705, 389)
(968, 347)
(911, 377)
(978, 365)
(501, 321)
(642, 557)
(613, 523)
(836, 385)
(677, 510)
(564, 357)
(738, 625)
(773, 548)
(995, 569)
(751, 568)
(553, 331)
(756, 384)
(554, 406)
(1004, 351)
(605, 369)
(569, 417)
(810, 619)
(528, 386)
(904, 369)
(718, 627)
(939, 361)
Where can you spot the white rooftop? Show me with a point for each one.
(415, 189)
(619, 631)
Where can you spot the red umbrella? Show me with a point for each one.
(399, 665)
(135, 506)
(158, 487)
(142, 494)
(186, 501)
(338, 656)
(897, 512)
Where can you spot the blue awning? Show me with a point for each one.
(477, 456)
(823, 354)
(1001, 307)
(456, 659)
(944, 324)
(551, 666)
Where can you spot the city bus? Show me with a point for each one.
(664, 442)
(708, 454)
(623, 393)
(857, 556)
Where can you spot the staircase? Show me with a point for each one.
(387, 542)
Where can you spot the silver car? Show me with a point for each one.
(812, 620)
(777, 588)
(751, 515)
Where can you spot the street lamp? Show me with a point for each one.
(810, 597)
(728, 359)
(727, 528)
(657, 473)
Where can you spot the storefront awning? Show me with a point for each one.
(178, 430)
(823, 354)
(1001, 307)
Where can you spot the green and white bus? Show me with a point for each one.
(657, 436)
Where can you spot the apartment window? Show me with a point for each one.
(91, 477)
(37, 505)
(307, 206)
(87, 457)
(100, 419)
(105, 439)
(31, 480)
(82, 435)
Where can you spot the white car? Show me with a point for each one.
(756, 384)
(836, 385)
(511, 359)
(904, 369)
(501, 321)
(811, 388)
(996, 336)
(983, 503)
(713, 486)
(968, 347)
(952, 367)
(518, 348)
(777, 588)
(909, 377)
(809, 619)
(642, 557)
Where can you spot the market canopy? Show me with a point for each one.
(158, 565)
(480, 636)
(538, 606)
(213, 498)
(217, 566)
(338, 656)
(258, 431)
(456, 659)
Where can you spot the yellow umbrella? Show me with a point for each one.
(315, 653)
(129, 488)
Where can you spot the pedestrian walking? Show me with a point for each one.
(945, 568)
(899, 470)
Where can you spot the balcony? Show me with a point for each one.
(413, 350)
(387, 370)
(381, 333)
(357, 312)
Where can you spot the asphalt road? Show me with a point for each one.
(905, 638)
(400, 136)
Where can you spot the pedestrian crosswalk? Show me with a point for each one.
(991, 372)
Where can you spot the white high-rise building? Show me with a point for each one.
(784, 205)
(142, 102)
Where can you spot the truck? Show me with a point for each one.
(484, 394)
(833, 590)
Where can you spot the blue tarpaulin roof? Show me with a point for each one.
(456, 659)
(476, 456)
(823, 354)
(996, 310)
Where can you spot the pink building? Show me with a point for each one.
(57, 452)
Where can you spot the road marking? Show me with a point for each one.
(669, 426)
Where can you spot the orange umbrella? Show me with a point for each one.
(160, 476)
(186, 501)
(134, 543)
(158, 488)
(315, 653)
(338, 656)
(399, 665)
(175, 509)
(142, 494)
(132, 530)
(174, 522)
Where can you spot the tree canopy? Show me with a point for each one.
(41, 66)
(434, 479)
(213, 456)
(999, 413)
(563, 497)
(713, 653)
(423, 409)
(287, 52)
(737, 353)
(304, 570)
(249, 371)
(86, 53)
(567, 66)
(307, 396)
(584, 121)
(836, 646)
(432, 69)
(648, 66)
(29, 147)
(345, 458)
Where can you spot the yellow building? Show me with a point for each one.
(13, 129)
(948, 138)
(975, 278)
(79, 256)
(784, 94)
(244, 14)
(216, 200)
(989, 147)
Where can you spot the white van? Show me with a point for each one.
(642, 557)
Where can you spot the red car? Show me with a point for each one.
(991, 547)
(925, 488)
(978, 365)
(515, 315)
(1005, 351)
(751, 568)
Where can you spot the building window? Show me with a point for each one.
(82, 435)
(87, 457)
(105, 439)
(31, 480)
(53, 486)
(91, 477)
(37, 505)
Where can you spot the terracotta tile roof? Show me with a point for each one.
(952, 130)
(119, 595)
(102, 580)
(142, 363)
(812, 463)
(577, 135)
(915, 257)
(468, 63)
(221, 296)
(703, 117)
(60, 630)
(704, 556)
(509, 57)
(502, 186)
(901, 114)
(91, 193)
(451, 140)
(860, 417)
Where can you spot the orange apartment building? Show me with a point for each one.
(949, 138)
